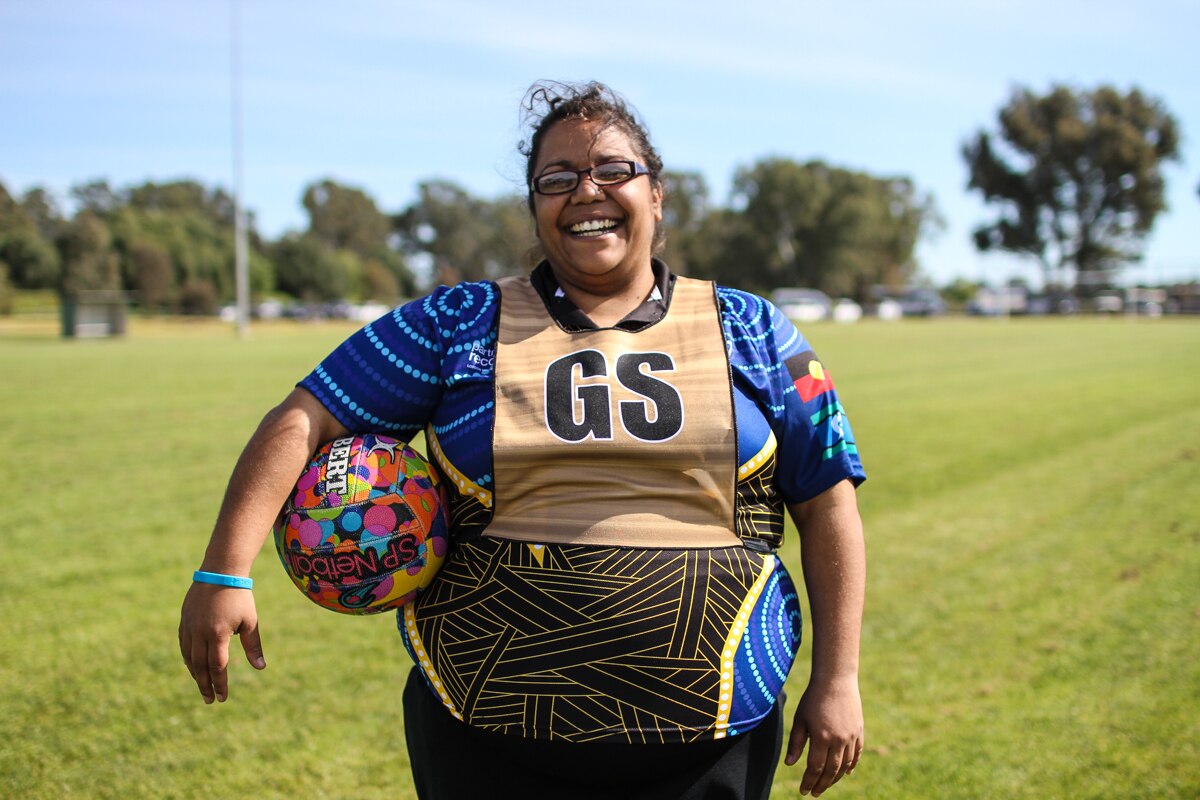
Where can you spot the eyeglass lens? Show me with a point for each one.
(602, 174)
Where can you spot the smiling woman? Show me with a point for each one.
(620, 445)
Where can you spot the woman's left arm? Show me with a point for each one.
(830, 717)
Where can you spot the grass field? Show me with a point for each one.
(1033, 615)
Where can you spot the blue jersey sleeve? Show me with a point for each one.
(390, 376)
(793, 389)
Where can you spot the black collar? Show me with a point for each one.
(568, 315)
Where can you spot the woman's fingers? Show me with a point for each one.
(252, 644)
(824, 769)
(211, 616)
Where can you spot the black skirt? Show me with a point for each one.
(453, 761)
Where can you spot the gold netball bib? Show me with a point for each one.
(614, 437)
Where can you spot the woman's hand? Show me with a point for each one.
(261, 481)
(829, 719)
(210, 616)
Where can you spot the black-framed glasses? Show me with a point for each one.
(561, 181)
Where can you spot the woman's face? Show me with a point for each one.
(597, 238)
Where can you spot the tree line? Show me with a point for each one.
(171, 244)
(1074, 176)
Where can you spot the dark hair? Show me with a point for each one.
(549, 102)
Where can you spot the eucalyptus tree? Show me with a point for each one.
(811, 224)
(1076, 178)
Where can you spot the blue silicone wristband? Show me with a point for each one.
(200, 576)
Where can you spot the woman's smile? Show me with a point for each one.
(594, 228)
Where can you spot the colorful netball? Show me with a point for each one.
(365, 529)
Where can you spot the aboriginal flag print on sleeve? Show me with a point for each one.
(808, 375)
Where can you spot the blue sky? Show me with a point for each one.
(382, 95)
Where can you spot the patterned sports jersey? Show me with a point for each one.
(592, 644)
(598, 643)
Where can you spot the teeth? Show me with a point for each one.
(593, 225)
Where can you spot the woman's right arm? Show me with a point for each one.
(262, 480)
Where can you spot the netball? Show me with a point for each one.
(365, 529)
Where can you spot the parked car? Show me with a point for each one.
(846, 310)
(1002, 301)
(803, 305)
(1052, 304)
(911, 302)
(921, 303)
(888, 309)
(1108, 303)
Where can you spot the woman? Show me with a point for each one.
(620, 445)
